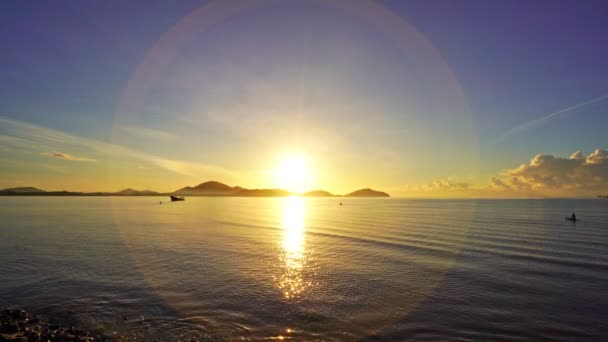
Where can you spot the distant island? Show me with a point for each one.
(317, 193)
(367, 192)
(23, 190)
(207, 189)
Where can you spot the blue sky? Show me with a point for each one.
(520, 60)
(313, 78)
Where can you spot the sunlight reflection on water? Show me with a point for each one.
(293, 257)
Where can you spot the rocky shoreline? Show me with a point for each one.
(19, 325)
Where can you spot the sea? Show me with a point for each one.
(309, 269)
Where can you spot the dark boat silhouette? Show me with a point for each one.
(175, 198)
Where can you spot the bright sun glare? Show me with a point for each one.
(294, 173)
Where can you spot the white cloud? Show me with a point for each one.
(598, 157)
(548, 172)
(577, 155)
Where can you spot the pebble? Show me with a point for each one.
(18, 325)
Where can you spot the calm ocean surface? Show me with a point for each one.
(309, 269)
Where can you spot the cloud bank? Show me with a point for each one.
(549, 173)
(440, 185)
(543, 176)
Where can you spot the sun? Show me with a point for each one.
(293, 173)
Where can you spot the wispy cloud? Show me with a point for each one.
(144, 132)
(26, 137)
(547, 117)
(66, 156)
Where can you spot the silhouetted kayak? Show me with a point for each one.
(568, 218)
(175, 198)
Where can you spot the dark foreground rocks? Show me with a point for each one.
(18, 325)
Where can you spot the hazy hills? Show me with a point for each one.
(23, 190)
(213, 188)
(210, 188)
(132, 192)
(317, 193)
(207, 188)
(367, 192)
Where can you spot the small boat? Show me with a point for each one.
(570, 218)
(175, 198)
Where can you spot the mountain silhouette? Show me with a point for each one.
(133, 192)
(23, 190)
(263, 193)
(214, 186)
(367, 192)
(210, 188)
(318, 193)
